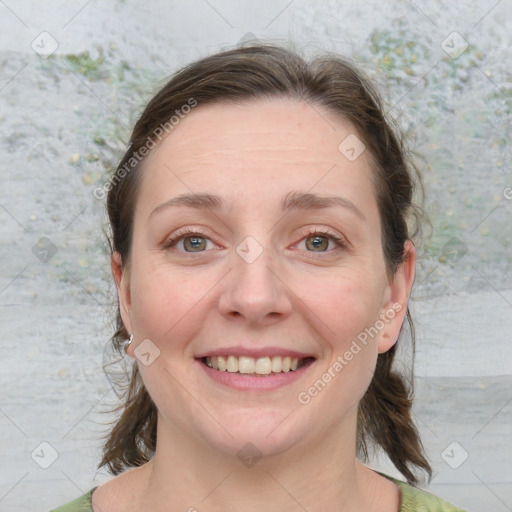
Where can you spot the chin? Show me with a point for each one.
(256, 432)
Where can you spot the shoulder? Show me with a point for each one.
(415, 499)
(124, 492)
(81, 504)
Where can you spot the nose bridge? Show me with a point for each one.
(255, 291)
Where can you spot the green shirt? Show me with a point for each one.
(412, 499)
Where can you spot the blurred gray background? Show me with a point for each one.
(73, 77)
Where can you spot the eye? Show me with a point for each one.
(189, 241)
(319, 241)
(192, 241)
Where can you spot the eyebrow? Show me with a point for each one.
(292, 201)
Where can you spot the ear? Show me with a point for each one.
(394, 308)
(121, 278)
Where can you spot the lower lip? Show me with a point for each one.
(245, 382)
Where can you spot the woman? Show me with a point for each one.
(263, 263)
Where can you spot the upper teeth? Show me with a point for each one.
(260, 365)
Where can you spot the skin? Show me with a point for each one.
(294, 295)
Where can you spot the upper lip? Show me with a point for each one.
(240, 351)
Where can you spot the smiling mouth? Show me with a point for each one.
(256, 367)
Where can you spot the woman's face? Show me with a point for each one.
(257, 248)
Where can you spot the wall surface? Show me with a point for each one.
(74, 75)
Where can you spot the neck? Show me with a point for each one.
(191, 475)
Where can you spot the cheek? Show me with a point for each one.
(348, 306)
(354, 353)
(165, 303)
(168, 308)
(344, 304)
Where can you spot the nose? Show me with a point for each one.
(255, 293)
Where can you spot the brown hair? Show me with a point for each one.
(268, 71)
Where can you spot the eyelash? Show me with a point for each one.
(190, 233)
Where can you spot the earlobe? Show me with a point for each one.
(128, 347)
(385, 342)
(394, 310)
(121, 278)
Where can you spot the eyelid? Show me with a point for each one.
(325, 232)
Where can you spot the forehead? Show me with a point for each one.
(256, 149)
(272, 126)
